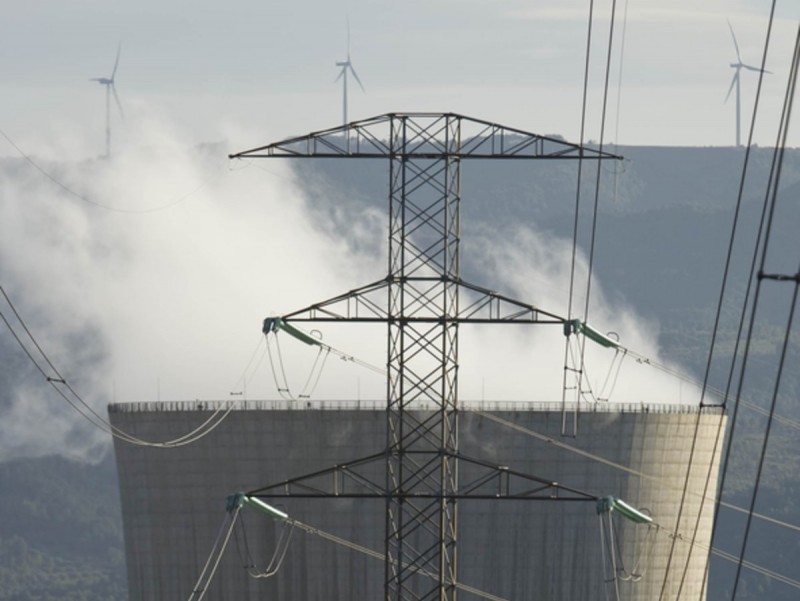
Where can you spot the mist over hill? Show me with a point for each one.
(664, 219)
(663, 225)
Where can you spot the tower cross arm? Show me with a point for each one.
(480, 305)
(362, 477)
(366, 303)
(425, 136)
(483, 480)
(477, 305)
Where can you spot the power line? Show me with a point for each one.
(782, 134)
(88, 200)
(599, 459)
(726, 273)
(580, 367)
(678, 537)
(62, 387)
(576, 221)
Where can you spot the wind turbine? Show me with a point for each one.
(108, 82)
(739, 65)
(345, 67)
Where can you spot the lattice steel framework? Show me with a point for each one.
(423, 301)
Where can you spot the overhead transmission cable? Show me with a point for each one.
(278, 555)
(228, 528)
(642, 359)
(569, 371)
(548, 439)
(674, 535)
(613, 373)
(217, 551)
(619, 93)
(645, 361)
(621, 352)
(599, 459)
(609, 536)
(578, 370)
(611, 377)
(593, 237)
(272, 327)
(95, 203)
(757, 243)
(382, 557)
(65, 390)
(252, 365)
(762, 277)
(719, 430)
(678, 537)
(734, 359)
(611, 549)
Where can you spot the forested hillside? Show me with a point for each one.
(61, 531)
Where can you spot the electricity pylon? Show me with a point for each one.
(423, 301)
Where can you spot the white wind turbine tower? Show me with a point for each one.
(108, 82)
(739, 65)
(345, 67)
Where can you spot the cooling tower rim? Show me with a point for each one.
(465, 406)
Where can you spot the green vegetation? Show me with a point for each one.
(61, 532)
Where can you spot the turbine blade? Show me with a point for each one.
(116, 62)
(340, 75)
(735, 44)
(756, 69)
(733, 83)
(119, 104)
(353, 71)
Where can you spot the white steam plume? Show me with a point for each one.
(527, 361)
(160, 293)
(133, 301)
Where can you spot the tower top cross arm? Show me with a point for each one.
(425, 136)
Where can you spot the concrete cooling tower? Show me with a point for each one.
(174, 502)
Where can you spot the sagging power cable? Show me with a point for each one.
(611, 550)
(771, 200)
(773, 178)
(570, 371)
(234, 505)
(271, 328)
(577, 370)
(278, 555)
(86, 199)
(217, 551)
(65, 390)
(618, 466)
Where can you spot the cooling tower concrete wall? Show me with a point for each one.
(173, 502)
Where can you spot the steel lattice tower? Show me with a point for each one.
(423, 301)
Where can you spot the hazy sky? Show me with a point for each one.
(268, 66)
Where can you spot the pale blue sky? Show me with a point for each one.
(267, 67)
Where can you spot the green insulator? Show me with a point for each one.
(607, 504)
(264, 508)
